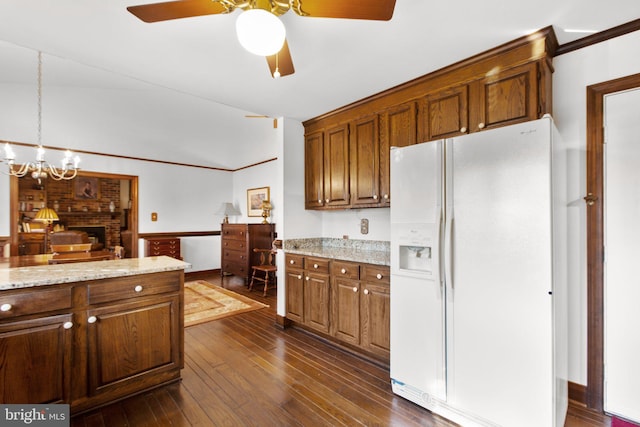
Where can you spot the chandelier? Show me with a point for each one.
(40, 168)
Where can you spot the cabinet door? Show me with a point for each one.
(336, 166)
(504, 98)
(365, 162)
(444, 114)
(295, 295)
(316, 301)
(398, 128)
(345, 323)
(127, 341)
(375, 318)
(36, 360)
(314, 170)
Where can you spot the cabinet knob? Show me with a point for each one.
(366, 291)
(378, 276)
(355, 289)
(5, 307)
(343, 271)
(480, 125)
(307, 278)
(375, 197)
(138, 288)
(67, 325)
(292, 262)
(299, 276)
(326, 200)
(315, 265)
(463, 129)
(386, 197)
(320, 201)
(92, 319)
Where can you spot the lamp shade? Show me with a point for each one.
(260, 32)
(228, 209)
(47, 215)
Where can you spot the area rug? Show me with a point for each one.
(619, 422)
(204, 302)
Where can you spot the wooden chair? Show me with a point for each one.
(267, 268)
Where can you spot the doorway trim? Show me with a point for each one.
(133, 226)
(595, 234)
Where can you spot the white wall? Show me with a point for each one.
(575, 71)
(185, 199)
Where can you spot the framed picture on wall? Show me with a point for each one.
(86, 187)
(255, 197)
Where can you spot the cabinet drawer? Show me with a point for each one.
(375, 273)
(234, 256)
(34, 301)
(235, 267)
(294, 261)
(132, 287)
(167, 242)
(237, 245)
(316, 265)
(234, 233)
(344, 269)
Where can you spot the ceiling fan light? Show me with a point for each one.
(260, 32)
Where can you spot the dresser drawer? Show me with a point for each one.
(375, 273)
(108, 290)
(235, 267)
(316, 265)
(237, 245)
(235, 256)
(345, 269)
(38, 300)
(235, 233)
(163, 242)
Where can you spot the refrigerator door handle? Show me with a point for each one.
(448, 258)
(441, 226)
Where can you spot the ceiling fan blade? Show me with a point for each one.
(166, 11)
(377, 10)
(285, 63)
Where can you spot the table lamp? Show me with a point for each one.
(46, 215)
(227, 209)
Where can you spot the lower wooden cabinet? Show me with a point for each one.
(344, 300)
(90, 343)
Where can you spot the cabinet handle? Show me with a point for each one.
(355, 289)
(138, 288)
(67, 325)
(463, 129)
(5, 307)
(343, 271)
(92, 319)
(299, 276)
(378, 276)
(366, 291)
(480, 125)
(375, 197)
(315, 265)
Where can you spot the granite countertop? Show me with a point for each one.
(364, 251)
(25, 277)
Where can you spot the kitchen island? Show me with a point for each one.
(90, 333)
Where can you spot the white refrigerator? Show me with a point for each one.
(478, 293)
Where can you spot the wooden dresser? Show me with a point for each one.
(169, 246)
(238, 242)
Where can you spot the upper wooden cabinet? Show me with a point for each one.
(503, 86)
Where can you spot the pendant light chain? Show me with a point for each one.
(39, 98)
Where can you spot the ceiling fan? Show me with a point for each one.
(277, 55)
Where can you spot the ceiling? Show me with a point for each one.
(336, 61)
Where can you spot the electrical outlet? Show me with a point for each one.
(364, 226)
(154, 216)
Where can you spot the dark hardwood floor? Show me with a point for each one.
(244, 371)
